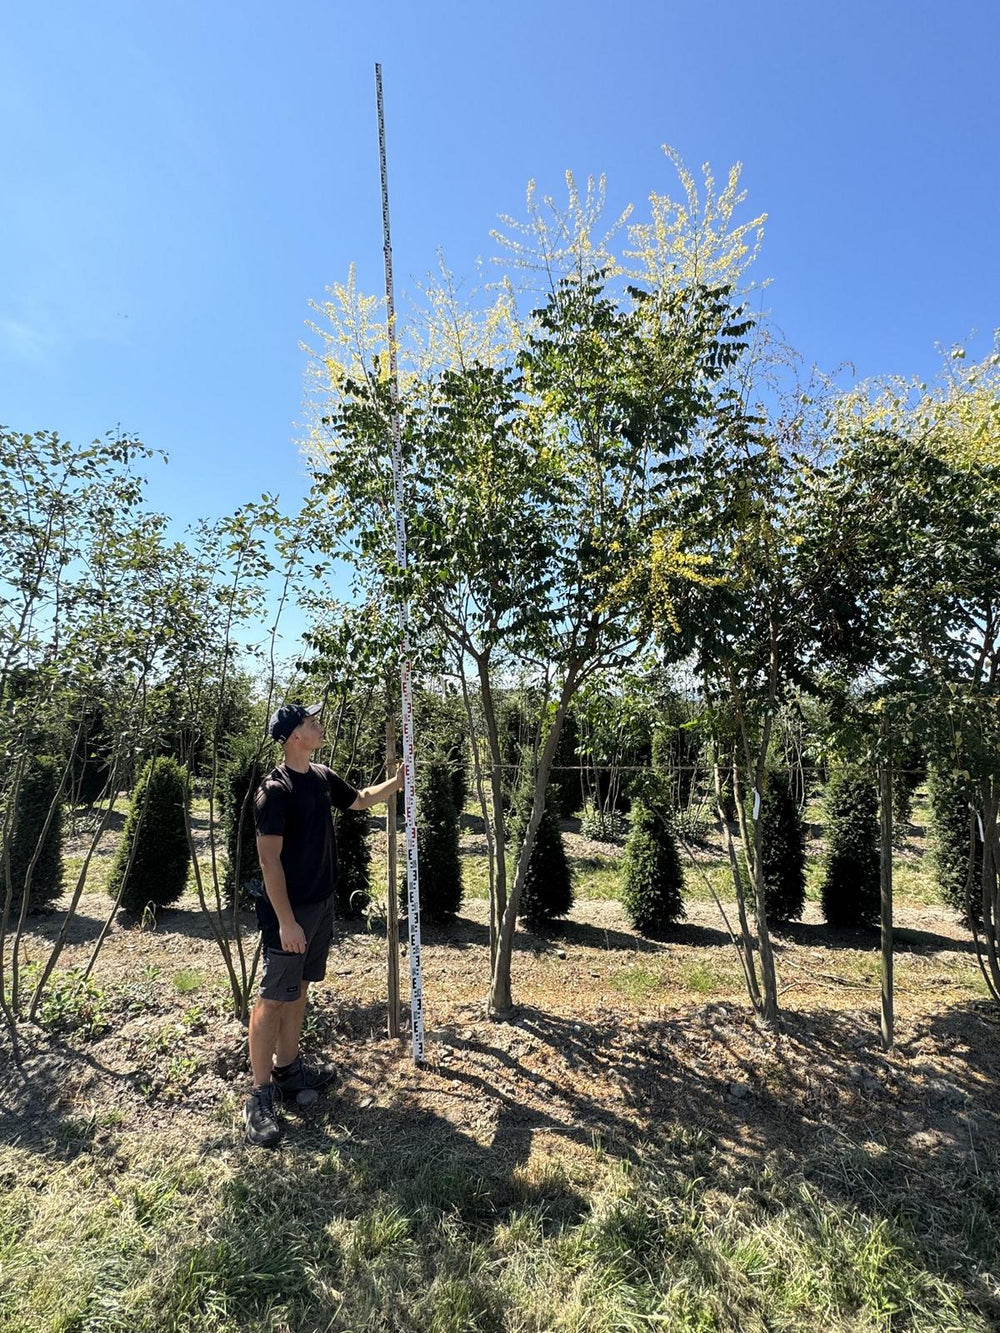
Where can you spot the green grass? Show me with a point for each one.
(596, 876)
(702, 978)
(187, 979)
(680, 1237)
(638, 983)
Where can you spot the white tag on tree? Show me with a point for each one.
(756, 803)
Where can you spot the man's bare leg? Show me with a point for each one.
(265, 1024)
(275, 1028)
(286, 1047)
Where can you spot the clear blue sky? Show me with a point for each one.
(180, 178)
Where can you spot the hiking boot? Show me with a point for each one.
(260, 1116)
(302, 1076)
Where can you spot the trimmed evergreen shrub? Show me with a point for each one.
(783, 849)
(565, 778)
(652, 878)
(91, 767)
(851, 891)
(950, 815)
(156, 826)
(548, 882)
(437, 843)
(909, 771)
(353, 891)
(238, 782)
(39, 784)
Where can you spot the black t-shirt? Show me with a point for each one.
(297, 808)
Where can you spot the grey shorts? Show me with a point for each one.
(285, 972)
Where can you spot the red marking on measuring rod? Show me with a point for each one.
(412, 866)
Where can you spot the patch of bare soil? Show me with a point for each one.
(608, 1040)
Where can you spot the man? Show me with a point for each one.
(298, 856)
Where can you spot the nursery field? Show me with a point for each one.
(630, 1151)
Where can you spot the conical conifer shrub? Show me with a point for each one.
(353, 891)
(39, 785)
(951, 822)
(851, 889)
(239, 780)
(783, 849)
(437, 843)
(548, 884)
(156, 828)
(652, 878)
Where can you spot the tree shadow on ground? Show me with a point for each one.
(905, 939)
(703, 1094)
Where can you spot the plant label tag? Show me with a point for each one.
(756, 803)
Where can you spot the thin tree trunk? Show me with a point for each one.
(500, 1002)
(15, 997)
(498, 903)
(81, 880)
(749, 966)
(477, 766)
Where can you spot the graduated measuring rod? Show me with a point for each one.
(412, 867)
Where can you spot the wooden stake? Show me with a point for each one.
(392, 918)
(885, 812)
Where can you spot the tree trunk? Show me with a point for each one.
(500, 1000)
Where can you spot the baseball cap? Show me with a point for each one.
(289, 716)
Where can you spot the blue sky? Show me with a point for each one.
(179, 179)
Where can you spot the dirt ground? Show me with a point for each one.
(613, 1034)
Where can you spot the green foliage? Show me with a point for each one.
(782, 849)
(437, 844)
(440, 722)
(155, 828)
(73, 1003)
(241, 775)
(952, 821)
(675, 748)
(603, 825)
(515, 733)
(692, 826)
(652, 879)
(565, 777)
(909, 771)
(39, 785)
(91, 767)
(353, 892)
(850, 890)
(548, 881)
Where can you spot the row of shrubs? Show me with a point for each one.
(152, 863)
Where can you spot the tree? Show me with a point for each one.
(531, 463)
(151, 866)
(913, 510)
(437, 843)
(783, 849)
(850, 888)
(652, 878)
